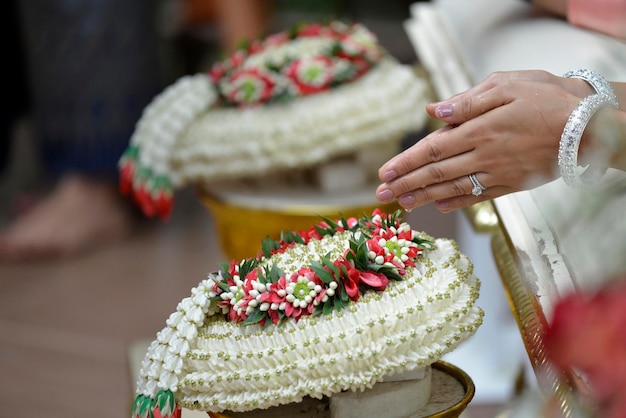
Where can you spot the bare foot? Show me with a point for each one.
(79, 215)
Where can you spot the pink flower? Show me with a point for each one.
(588, 333)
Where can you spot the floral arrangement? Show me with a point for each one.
(380, 249)
(232, 120)
(396, 297)
(307, 59)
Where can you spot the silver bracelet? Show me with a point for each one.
(595, 80)
(570, 141)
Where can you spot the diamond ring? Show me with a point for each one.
(477, 188)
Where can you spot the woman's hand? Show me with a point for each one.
(505, 130)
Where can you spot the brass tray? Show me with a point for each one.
(452, 391)
(241, 228)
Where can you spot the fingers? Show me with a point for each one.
(458, 202)
(437, 146)
(485, 96)
(455, 188)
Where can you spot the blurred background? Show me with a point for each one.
(66, 323)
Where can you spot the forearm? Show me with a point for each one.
(558, 7)
(604, 16)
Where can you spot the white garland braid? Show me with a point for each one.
(145, 168)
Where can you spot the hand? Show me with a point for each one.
(505, 130)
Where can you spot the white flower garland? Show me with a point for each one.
(295, 101)
(380, 108)
(216, 365)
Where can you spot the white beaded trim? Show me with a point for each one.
(570, 139)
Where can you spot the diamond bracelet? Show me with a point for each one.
(595, 80)
(570, 141)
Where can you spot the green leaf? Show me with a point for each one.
(254, 318)
(268, 245)
(223, 285)
(164, 399)
(327, 307)
(324, 275)
(247, 266)
(145, 406)
(275, 274)
(291, 236)
(224, 268)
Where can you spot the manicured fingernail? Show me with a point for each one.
(385, 195)
(444, 111)
(443, 206)
(390, 175)
(407, 200)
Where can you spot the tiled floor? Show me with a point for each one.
(65, 327)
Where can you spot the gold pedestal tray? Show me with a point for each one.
(243, 218)
(452, 391)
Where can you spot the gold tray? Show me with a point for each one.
(241, 228)
(452, 391)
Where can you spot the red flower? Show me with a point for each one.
(351, 284)
(250, 86)
(127, 175)
(315, 30)
(588, 333)
(376, 281)
(311, 75)
(276, 39)
(352, 222)
(163, 204)
(127, 166)
(255, 46)
(143, 198)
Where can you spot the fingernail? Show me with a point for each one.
(385, 195)
(444, 111)
(443, 206)
(390, 175)
(407, 200)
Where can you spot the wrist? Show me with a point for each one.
(571, 141)
(598, 83)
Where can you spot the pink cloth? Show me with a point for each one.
(605, 16)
